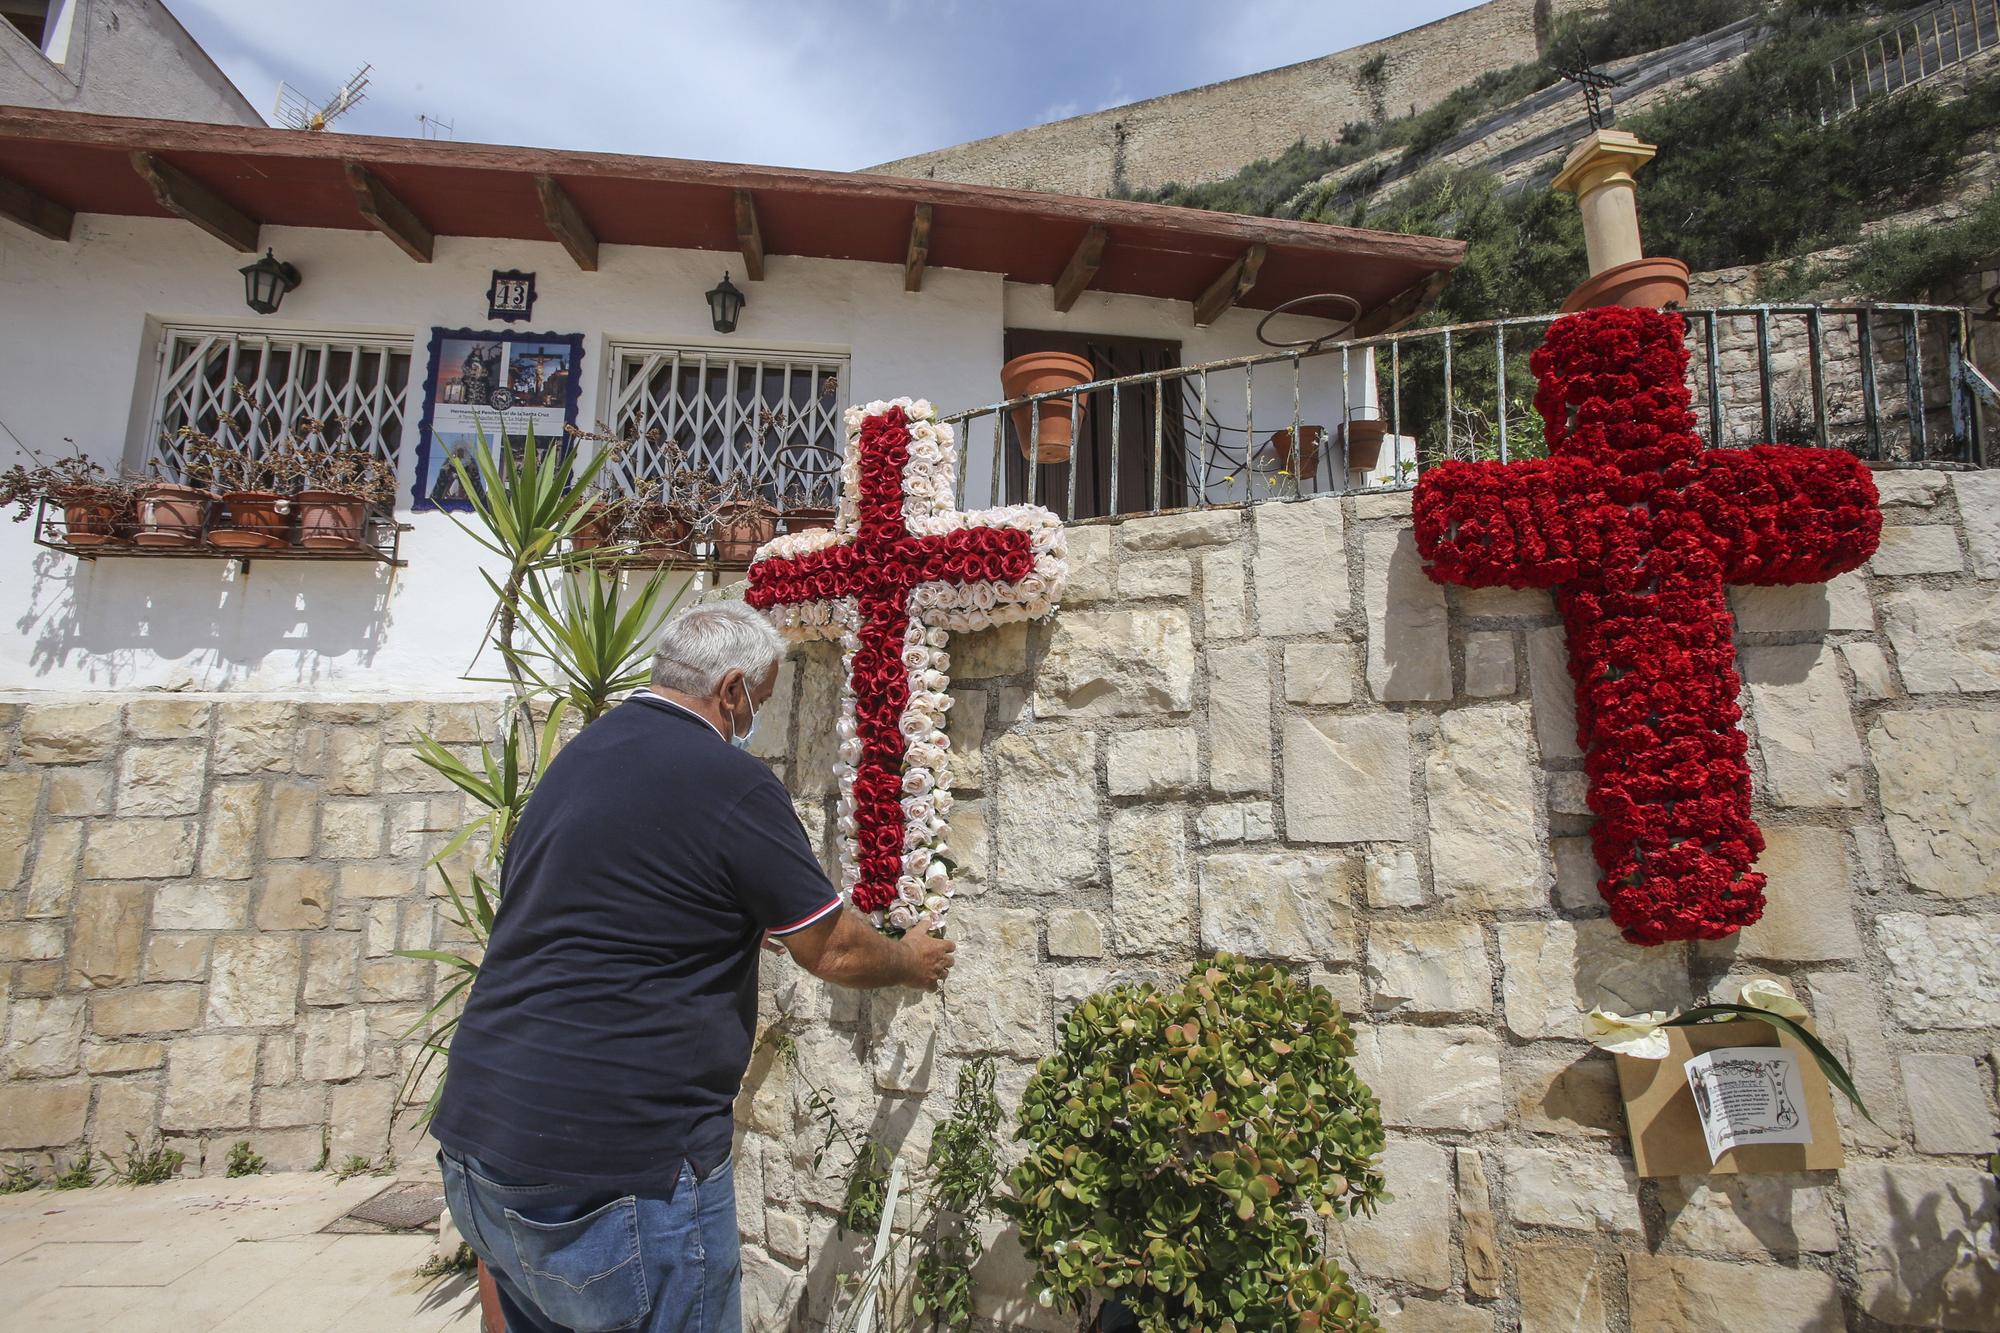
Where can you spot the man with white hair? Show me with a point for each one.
(586, 1114)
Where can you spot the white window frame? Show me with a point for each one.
(181, 393)
(719, 433)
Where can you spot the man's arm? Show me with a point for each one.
(843, 948)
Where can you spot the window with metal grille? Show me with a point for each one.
(249, 390)
(771, 418)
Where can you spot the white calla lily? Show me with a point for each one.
(1769, 994)
(1642, 1036)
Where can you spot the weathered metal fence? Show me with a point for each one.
(1920, 46)
(1890, 383)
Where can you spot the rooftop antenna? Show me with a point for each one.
(435, 127)
(297, 111)
(1577, 70)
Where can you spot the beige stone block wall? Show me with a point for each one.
(1251, 730)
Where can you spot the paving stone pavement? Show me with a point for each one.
(219, 1256)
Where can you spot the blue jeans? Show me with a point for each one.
(573, 1259)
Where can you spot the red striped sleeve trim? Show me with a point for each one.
(803, 922)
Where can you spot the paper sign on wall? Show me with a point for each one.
(1748, 1095)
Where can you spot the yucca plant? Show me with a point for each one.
(569, 642)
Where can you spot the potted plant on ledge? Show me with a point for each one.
(96, 507)
(337, 488)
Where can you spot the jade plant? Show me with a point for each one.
(1180, 1142)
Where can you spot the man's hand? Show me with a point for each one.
(930, 959)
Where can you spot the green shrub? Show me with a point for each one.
(19, 1178)
(1904, 263)
(147, 1166)
(78, 1175)
(243, 1161)
(1179, 1142)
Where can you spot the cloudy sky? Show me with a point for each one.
(837, 84)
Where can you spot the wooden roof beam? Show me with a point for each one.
(1232, 285)
(1082, 267)
(1403, 307)
(388, 214)
(749, 238)
(185, 197)
(36, 212)
(920, 249)
(566, 223)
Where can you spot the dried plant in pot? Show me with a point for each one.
(173, 513)
(253, 511)
(740, 520)
(802, 509)
(337, 488)
(96, 507)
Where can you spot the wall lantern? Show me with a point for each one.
(266, 282)
(725, 303)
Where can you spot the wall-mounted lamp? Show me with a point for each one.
(725, 303)
(266, 282)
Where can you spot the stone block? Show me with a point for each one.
(1870, 667)
(1847, 1012)
(1386, 504)
(1925, 765)
(79, 791)
(177, 958)
(1170, 532)
(1552, 691)
(52, 886)
(332, 966)
(1840, 604)
(1407, 1240)
(210, 1082)
(333, 1044)
(125, 1057)
(1430, 969)
(1561, 1286)
(43, 1115)
(1409, 642)
(1944, 971)
(1224, 614)
(1576, 877)
(1046, 815)
(1289, 905)
(44, 1036)
(1750, 1214)
(1319, 675)
(1805, 733)
(992, 1005)
(1123, 663)
(1920, 1237)
(69, 733)
(1979, 510)
(1091, 565)
(1300, 568)
(287, 1107)
(1000, 651)
(1919, 490)
(967, 726)
(1808, 899)
(1568, 1091)
(906, 1049)
(1390, 878)
(1479, 1233)
(1152, 881)
(294, 817)
(145, 1010)
(294, 896)
(1947, 640)
(1433, 1078)
(1153, 763)
(353, 755)
(1931, 548)
(1164, 576)
(1554, 972)
(1347, 778)
(368, 880)
(351, 829)
(140, 849)
(394, 979)
(1239, 719)
(19, 794)
(255, 736)
(1503, 603)
(359, 1119)
(156, 780)
(278, 1059)
(157, 719)
(253, 981)
(31, 940)
(1074, 933)
(403, 772)
(127, 1106)
(1489, 665)
(1584, 1189)
(1674, 1294)
(1487, 851)
(229, 837)
(1948, 1105)
(110, 927)
(1420, 1316)
(185, 905)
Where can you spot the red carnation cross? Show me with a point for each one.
(878, 562)
(1639, 529)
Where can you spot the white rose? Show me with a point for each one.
(944, 800)
(901, 917)
(917, 862)
(916, 723)
(937, 637)
(918, 782)
(937, 879)
(919, 807)
(916, 657)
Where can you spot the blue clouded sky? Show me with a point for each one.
(838, 84)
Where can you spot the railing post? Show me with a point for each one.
(1816, 349)
(1075, 448)
(1764, 369)
(1447, 394)
(1714, 362)
(1865, 344)
(1500, 382)
(1913, 392)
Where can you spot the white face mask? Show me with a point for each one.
(742, 742)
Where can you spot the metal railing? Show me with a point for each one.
(1920, 46)
(1890, 383)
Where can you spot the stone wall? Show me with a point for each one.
(1262, 730)
(1210, 132)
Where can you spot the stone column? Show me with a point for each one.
(1599, 171)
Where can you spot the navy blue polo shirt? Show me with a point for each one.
(607, 1034)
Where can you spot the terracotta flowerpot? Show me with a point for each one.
(809, 518)
(251, 520)
(171, 515)
(740, 528)
(1650, 284)
(1308, 459)
(491, 1320)
(1364, 443)
(666, 536)
(330, 520)
(600, 523)
(94, 519)
(1044, 372)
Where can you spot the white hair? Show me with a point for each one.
(701, 645)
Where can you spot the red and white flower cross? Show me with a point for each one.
(1639, 529)
(901, 569)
